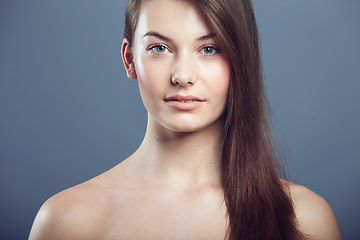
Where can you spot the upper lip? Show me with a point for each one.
(183, 98)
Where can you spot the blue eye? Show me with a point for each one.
(159, 49)
(208, 50)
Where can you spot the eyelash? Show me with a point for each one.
(154, 49)
(215, 51)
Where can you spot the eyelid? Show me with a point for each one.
(217, 51)
(158, 45)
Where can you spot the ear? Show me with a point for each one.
(127, 56)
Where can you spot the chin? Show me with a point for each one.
(187, 125)
(183, 129)
(191, 127)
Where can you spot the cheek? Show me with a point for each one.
(153, 78)
(218, 78)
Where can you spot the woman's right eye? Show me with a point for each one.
(159, 49)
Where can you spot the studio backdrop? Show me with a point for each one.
(68, 111)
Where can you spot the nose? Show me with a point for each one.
(183, 71)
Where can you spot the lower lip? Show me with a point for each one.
(185, 106)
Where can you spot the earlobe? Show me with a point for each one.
(127, 56)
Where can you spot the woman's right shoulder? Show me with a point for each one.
(82, 211)
(71, 213)
(79, 212)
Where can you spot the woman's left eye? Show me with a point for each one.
(208, 50)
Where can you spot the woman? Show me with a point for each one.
(206, 167)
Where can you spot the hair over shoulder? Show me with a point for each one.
(258, 206)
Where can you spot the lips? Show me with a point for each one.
(184, 103)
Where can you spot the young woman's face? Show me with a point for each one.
(183, 74)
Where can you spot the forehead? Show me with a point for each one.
(171, 17)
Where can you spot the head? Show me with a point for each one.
(233, 23)
(176, 56)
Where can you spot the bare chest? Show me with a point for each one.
(166, 216)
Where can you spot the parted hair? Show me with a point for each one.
(258, 203)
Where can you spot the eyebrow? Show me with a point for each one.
(162, 37)
(206, 37)
(158, 35)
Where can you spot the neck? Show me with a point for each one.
(180, 159)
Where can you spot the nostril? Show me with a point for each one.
(174, 81)
(182, 74)
(183, 83)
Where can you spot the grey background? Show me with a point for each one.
(68, 112)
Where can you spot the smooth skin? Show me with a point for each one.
(170, 188)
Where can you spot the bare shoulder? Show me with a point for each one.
(314, 214)
(80, 212)
(63, 215)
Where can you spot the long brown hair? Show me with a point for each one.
(257, 203)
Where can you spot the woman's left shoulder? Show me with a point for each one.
(314, 214)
